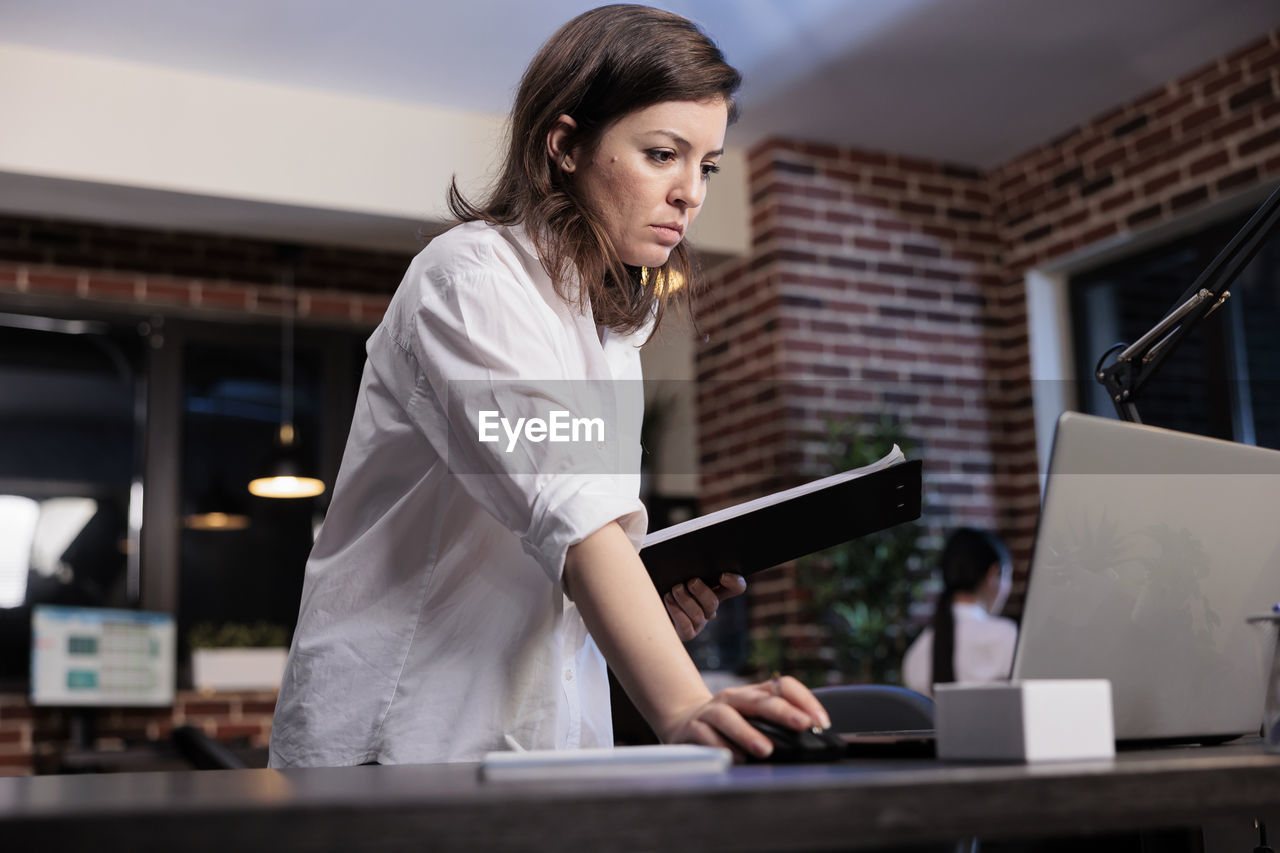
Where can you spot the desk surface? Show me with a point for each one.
(854, 804)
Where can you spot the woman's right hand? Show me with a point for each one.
(722, 721)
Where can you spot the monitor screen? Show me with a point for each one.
(97, 656)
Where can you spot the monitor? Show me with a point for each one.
(84, 656)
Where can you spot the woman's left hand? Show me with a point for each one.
(691, 606)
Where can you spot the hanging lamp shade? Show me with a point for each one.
(284, 475)
(215, 510)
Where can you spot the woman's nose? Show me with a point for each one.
(689, 189)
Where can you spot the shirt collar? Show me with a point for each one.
(972, 609)
(520, 234)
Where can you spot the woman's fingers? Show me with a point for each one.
(796, 694)
(681, 619)
(697, 606)
(704, 732)
(728, 724)
(703, 596)
(724, 720)
(781, 699)
(731, 585)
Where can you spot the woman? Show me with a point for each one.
(967, 640)
(467, 579)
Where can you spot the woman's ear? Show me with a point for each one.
(558, 143)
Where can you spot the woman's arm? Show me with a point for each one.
(606, 579)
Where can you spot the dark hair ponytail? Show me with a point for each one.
(966, 559)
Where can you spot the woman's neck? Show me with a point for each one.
(961, 597)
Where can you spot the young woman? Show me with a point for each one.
(968, 640)
(465, 592)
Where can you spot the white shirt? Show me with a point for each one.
(433, 624)
(983, 649)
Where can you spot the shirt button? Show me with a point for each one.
(568, 675)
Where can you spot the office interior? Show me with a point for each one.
(931, 220)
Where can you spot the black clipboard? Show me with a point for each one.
(765, 537)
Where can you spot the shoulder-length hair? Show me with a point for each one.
(597, 68)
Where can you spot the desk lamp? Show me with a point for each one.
(1137, 362)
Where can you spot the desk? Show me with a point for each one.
(853, 805)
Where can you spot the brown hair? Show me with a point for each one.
(597, 68)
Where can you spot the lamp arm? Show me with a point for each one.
(1136, 364)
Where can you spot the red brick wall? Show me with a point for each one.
(867, 292)
(31, 738)
(864, 294)
(65, 263)
(879, 283)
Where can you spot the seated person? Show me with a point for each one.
(967, 640)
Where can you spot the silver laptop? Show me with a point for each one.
(1152, 548)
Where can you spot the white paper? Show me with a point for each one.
(893, 457)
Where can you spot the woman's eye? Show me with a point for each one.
(662, 155)
(709, 169)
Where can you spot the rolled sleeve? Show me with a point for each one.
(484, 340)
(570, 509)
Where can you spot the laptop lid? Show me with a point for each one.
(1152, 548)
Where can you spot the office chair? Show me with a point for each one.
(875, 708)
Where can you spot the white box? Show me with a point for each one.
(238, 668)
(1034, 720)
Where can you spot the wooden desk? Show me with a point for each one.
(852, 805)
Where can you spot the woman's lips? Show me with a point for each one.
(667, 234)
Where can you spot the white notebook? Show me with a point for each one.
(605, 763)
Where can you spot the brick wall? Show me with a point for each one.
(47, 261)
(867, 292)
(864, 294)
(879, 283)
(31, 738)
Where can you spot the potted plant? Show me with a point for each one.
(238, 656)
(857, 594)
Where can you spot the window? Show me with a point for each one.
(83, 402)
(1222, 380)
(250, 571)
(70, 394)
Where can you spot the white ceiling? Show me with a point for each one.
(969, 81)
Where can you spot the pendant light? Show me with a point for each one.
(215, 510)
(284, 475)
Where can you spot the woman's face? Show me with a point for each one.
(996, 587)
(647, 178)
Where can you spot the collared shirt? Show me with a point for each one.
(983, 649)
(433, 624)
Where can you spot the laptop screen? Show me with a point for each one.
(1152, 548)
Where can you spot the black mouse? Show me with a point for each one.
(791, 746)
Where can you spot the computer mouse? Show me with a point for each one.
(791, 746)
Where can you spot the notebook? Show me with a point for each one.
(1152, 548)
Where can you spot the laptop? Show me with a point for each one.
(1152, 548)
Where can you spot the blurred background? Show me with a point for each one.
(932, 219)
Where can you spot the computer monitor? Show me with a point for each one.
(89, 656)
(1153, 548)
